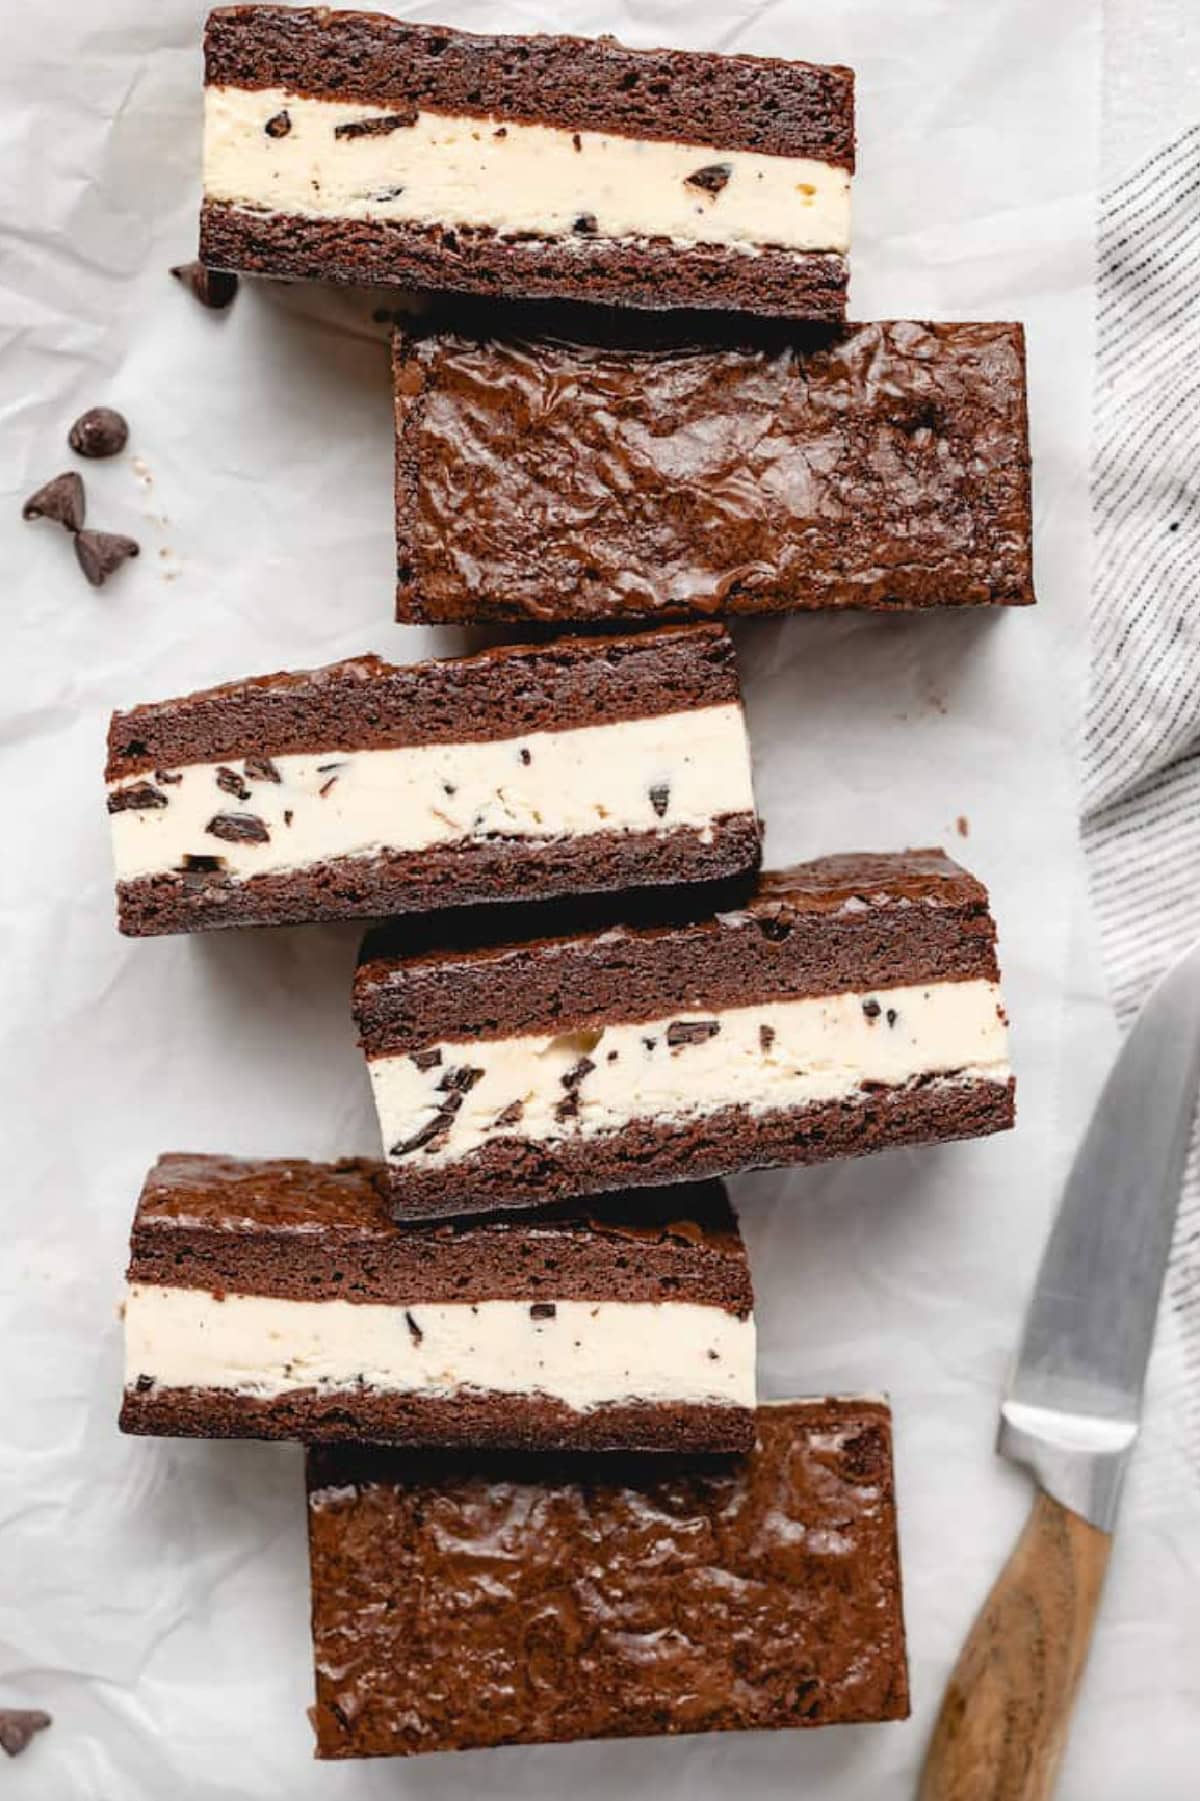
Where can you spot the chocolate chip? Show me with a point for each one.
(288, 816)
(326, 785)
(100, 554)
(376, 128)
(449, 788)
(526, 756)
(170, 778)
(511, 1115)
(612, 1056)
(766, 1037)
(585, 225)
(649, 1043)
(713, 177)
(426, 1059)
(19, 1725)
(543, 1310)
(871, 1007)
(567, 1109)
(692, 1031)
(576, 1073)
(660, 797)
(459, 1081)
(415, 1331)
(61, 500)
(892, 1016)
(501, 131)
(144, 1384)
(232, 783)
(279, 124)
(136, 799)
(213, 288)
(238, 828)
(435, 1128)
(196, 864)
(100, 432)
(261, 769)
(577, 140)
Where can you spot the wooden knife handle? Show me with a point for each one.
(1003, 1725)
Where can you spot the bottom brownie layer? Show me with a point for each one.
(651, 273)
(466, 874)
(476, 1419)
(513, 1172)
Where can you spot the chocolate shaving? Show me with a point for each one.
(391, 194)
(61, 499)
(543, 1310)
(415, 1331)
(136, 799)
(323, 790)
(459, 1081)
(19, 1725)
(712, 178)
(238, 828)
(279, 124)
(100, 432)
(426, 1059)
(376, 128)
(511, 1115)
(871, 1007)
(261, 769)
(213, 288)
(232, 783)
(660, 797)
(99, 554)
(766, 1037)
(692, 1031)
(576, 1073)
(433, 1129)
(585, 225)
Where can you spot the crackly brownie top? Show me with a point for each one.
(602, 475)
(754, 103)
(367, 703)
(763, 1591)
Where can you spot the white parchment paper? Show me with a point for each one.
(153, 1596)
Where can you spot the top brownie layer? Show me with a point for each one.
(367, 703)
(313, 1231)
(730, 102)
(844, 923)
(589, 470)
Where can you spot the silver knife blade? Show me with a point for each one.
(1074, 1400)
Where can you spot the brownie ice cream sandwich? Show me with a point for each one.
(849, 1005)
(349, 147)
(366, 789)
(465, 1601)
(279, 1300)
(613, 470)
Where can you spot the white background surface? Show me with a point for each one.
(153, 1596)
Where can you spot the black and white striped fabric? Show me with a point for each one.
(1142, 750)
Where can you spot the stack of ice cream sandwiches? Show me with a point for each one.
(545, 1500)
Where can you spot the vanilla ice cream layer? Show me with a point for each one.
(271, 150)
(659, 774)
(766, 1058)
(582, 1353)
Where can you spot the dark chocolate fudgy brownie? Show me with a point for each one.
(849, 1005)
(351, 147)
(279, 1300)
(568, 470)
(465, 1601)
(364, 789)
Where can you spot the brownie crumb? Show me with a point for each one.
(279, 124)
(238, 828)
(100, 432)
(512, 1114)
(567, 1109)
(543, 1310)
(213, 288)
(144, 1384)
(871, 1007)
(19, 1725)
(963, 826)
(691, 1031)
(261, 769)
(766, 1036)
(712, 178)
(100, 554)
(170, 778)
(415, 1332)
(426, 1059)
(136, 799)
(660, 797)
(61, 499)
(195, 863)
(377, 128)
(232, 783)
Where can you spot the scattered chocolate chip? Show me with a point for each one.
(449, 788)
(261, 769)
(238, 828)
(576, 1074)
(381, 127)
(543, 1310)
(713, 177)
(426, 1059)
(567, 1109)
(168, 777)
(100, 432)
(501, 131)
(585, 225)
(892, 1016)
(326, 785)
(649, 1043)
(871, 1007)
(415, 1331)
(144, 1384)
(714, 1356)
(526, 756)
(197, 864)
(660, 797)
(288, 816)
(433, 1129)
(232, 783)
(577, 140)
(100, 554)
(511, 1115)
(136, 799)
(19, 1725)
(612, 1056)
(279, 124)
(459, 1081)
(213, 288)
(766, 1036)
(692, 1031)
(61, 500)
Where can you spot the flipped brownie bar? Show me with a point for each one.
(349, 147)
(612, 471)
(364, 789)
(278, 1300)
(456, 1604)
(850, 1005)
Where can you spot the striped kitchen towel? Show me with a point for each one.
(1141, 824)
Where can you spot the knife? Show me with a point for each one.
(1072, 1412)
